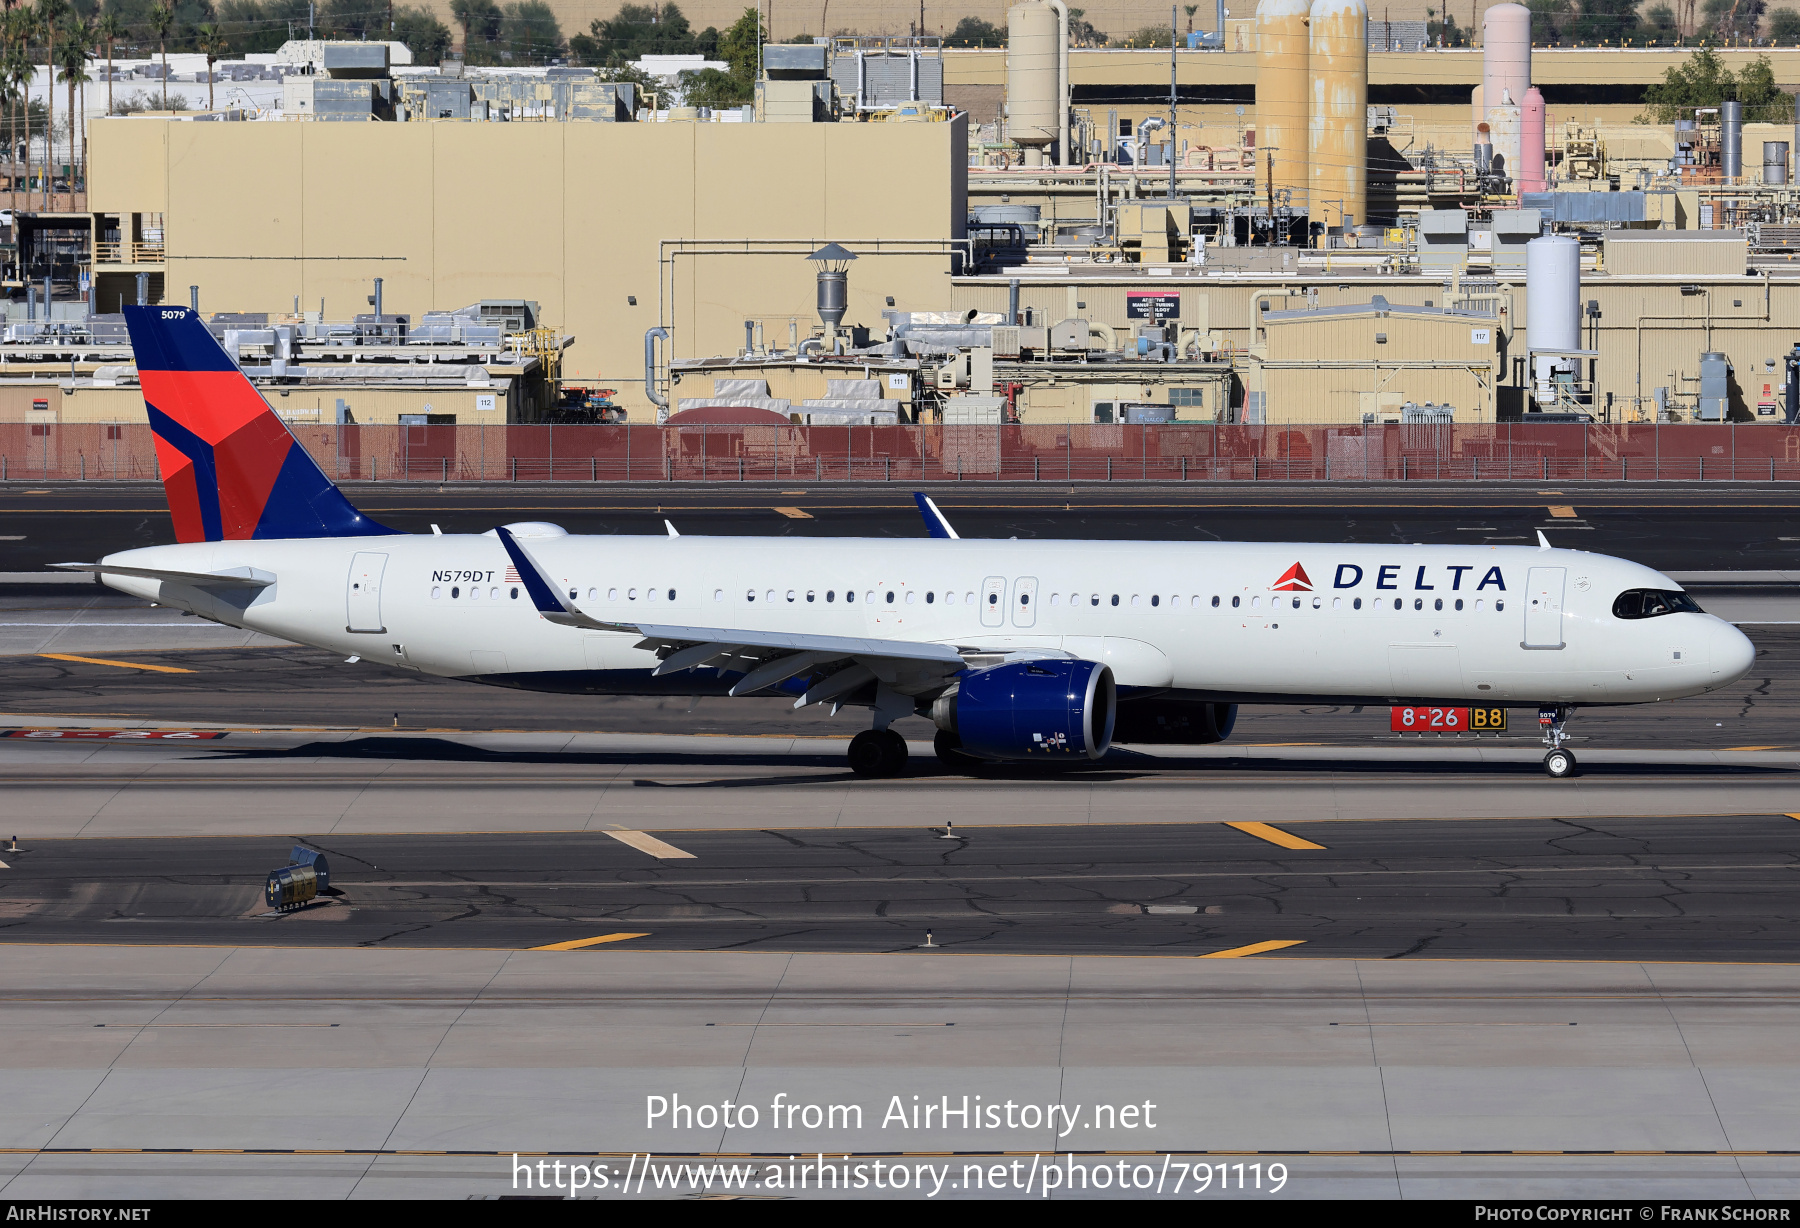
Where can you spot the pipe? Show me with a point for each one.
(818, 343)
(378, 303)
(656, 398)
(1106, 333)
(1012, 301)
(1062, 82)
(749, 336)
(1151, 125)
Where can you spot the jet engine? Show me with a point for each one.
(1045, 709)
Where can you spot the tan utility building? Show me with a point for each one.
(613, 228)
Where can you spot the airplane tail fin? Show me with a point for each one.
(231, 469)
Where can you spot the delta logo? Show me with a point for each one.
(1293, 580)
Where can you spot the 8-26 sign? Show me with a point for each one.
(1447, 720)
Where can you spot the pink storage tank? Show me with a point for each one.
(1531, 142)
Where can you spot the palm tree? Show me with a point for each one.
(162, 20)
(16, 75)
(49, 12)
(74, 60)
(214, 44)
(109, 30)
(1190, 10)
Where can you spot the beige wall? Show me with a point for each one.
(574, 215)
(303, 405)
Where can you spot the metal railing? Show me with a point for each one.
(1198, 452)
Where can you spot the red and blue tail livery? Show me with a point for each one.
(231, 469)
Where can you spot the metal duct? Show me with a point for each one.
(1775, 163)
(1731, 140)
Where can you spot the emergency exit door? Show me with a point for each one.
(363, 594)
(993, 598)
(1544, 607)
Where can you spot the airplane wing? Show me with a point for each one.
(231, 577)
(841, 663)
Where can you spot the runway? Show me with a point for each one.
(1670, 526)
(1415, 968)
(1632, 889)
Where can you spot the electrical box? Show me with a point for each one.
(1069, 335)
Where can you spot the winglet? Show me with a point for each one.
(1543, 542)
(543, 594)
(671, 528)
(934, 519)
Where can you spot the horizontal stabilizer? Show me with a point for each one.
(231, 577)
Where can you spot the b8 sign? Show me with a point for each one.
(1446, 720)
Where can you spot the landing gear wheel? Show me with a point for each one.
(1559, 764)
(896, 753)
(877, 752)
(950, 753)
(868, 753)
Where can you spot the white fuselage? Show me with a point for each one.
(1480, 624)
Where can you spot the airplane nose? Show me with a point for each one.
(1732, 652)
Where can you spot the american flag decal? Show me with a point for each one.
(512, 575)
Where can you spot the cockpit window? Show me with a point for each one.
(1652, 603)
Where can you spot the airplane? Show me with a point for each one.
(1018, 651)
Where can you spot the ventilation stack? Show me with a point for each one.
(1505, 78)
(1337, 147)
(1531, 142)
(1037, 78)
(1281, 99)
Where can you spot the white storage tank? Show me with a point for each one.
(1552, 307)
(1034, 93)
(1505, 52)
(1281, 96)
(1337, 147)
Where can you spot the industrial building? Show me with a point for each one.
(1315, 261)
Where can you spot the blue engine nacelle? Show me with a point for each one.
(1050, 709)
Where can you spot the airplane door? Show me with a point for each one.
(1024, 603)
(363, 596)
(1543, 607)
(993, 593)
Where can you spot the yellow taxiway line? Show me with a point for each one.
(1274, 835)
(161, 669)
(579, 943)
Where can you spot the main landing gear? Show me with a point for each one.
(878, 752)
(1559, 764)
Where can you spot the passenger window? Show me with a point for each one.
(790, 594)
(1134, 599)
(455, 592)
(515, 594)
(1055, 598)
(1356, 603)
(968, 598)
(631, 594)
(435, 591)
(1316, 603)
(1234, 602)
(612, 594)
(593, 593)
(718, 594)
(1255, 603)
(869, 596)
(1024, 598)
(849, 596)
(949, 597)
(1477, 603)
(1094, 600)
(649, 594)
(750, 596)
(493, 594)
(890, 596)
(1296, 603)
(1438, 604)
(1215, 603)
(1459, 603)
(671, 594)
(1499, 605)
(930, 597)
(769, 596)
(911, 597)
(1115, 599)
(1155, 600)
(993, 598)
(810, 594)
(474, 594)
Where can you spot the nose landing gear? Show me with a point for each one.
(1559, 764)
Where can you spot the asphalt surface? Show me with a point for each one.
(1714, 889)
(1685, 526)
(306, 687)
